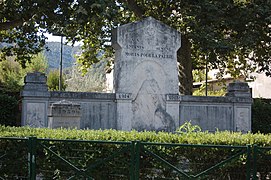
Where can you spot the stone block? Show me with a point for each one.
(64, 114)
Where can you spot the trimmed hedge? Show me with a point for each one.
(217, 138)
(191, 159)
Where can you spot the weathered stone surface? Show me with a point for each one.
(64, 114)
(34, 114)
(35, 77)
(82, 95)
(146, 68)
(209, 116)
(242, 118)
(238, 89)
(212, 113)
(146, 49)
(35, 82)
(65, 108)
(98, 114)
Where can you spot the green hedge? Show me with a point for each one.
(84, 154)
(8, 110)
(261, 115)
(217, 138)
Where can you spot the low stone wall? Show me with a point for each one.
(212, 113)
(99, 110)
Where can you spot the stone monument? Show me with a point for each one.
(146, 76)
(64, 114)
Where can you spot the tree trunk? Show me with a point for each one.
(185, 67)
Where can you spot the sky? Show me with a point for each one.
(52, 38)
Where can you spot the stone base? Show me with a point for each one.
(64, 122)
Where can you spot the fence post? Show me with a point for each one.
(248, 162)
(132, 166)
(255, 153)
(32, 148)
(135, 156)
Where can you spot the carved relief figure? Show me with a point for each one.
(35, 113)
(149, 102)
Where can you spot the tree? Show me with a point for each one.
(53, 81)
(11, 76)
(92, 81)
(24, 22)
(212, 30)
(215, 31)
(38, 63)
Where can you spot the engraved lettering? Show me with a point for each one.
(150, 55)
(173, 97)
(136, 47)
(123, 96)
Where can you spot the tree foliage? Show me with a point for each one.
(92, 81)
(11, 76)
(232, 35)
(39, 63)
(53, 81)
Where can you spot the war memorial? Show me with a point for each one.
(146, 94)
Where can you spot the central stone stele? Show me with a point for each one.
(146, 76)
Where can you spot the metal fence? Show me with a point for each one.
(33, 158)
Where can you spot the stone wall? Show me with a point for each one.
(99, 110)
(212, 113)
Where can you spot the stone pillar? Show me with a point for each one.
(173, 109)
(145, 67)
(124, 105)
(242, 101)
(64, 114)
(35, 97)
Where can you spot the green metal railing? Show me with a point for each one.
(237, 151)
(29, 158)
(262, 162)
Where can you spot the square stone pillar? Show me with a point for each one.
(124, 111)
(35, 97)
(173, 109)
(242, 101)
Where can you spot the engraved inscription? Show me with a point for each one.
(173, 97)
(123, 95)
(150, 55)
(136, 47)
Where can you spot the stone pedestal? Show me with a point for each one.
(64, 114)
(35, 97)
(242, 105)
(238, 89)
